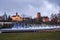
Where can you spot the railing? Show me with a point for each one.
(1, 23)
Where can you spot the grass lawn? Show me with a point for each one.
(31, 36)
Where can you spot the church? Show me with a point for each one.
(16, 17)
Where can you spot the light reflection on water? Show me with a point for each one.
(34, 26)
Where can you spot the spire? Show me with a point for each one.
(16, 13)
(5, 16)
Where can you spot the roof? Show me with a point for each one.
(15, 16)
(45, 17)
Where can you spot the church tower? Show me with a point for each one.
(38, 16)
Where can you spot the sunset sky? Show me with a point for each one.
(29, 7)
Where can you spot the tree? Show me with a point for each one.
(58, 15)
(54, 17)
(9, 18)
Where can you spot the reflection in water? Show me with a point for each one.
(21, 25)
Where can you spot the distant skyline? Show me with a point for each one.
(29, 7)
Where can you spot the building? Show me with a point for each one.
(1, 17)
(5, 16)
(16, 17)
(45, 19)
(38, 17)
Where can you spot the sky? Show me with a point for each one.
(29, 7)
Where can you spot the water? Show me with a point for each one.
(21, 26)
(28, 26)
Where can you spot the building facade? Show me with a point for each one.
(16, 17)
(45, 19)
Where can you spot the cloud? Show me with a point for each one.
(49, 8)
(56, 2)
(29, 7)
(46, 9)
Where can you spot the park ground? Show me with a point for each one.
(31, 36)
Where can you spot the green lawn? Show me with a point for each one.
(31, 36)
